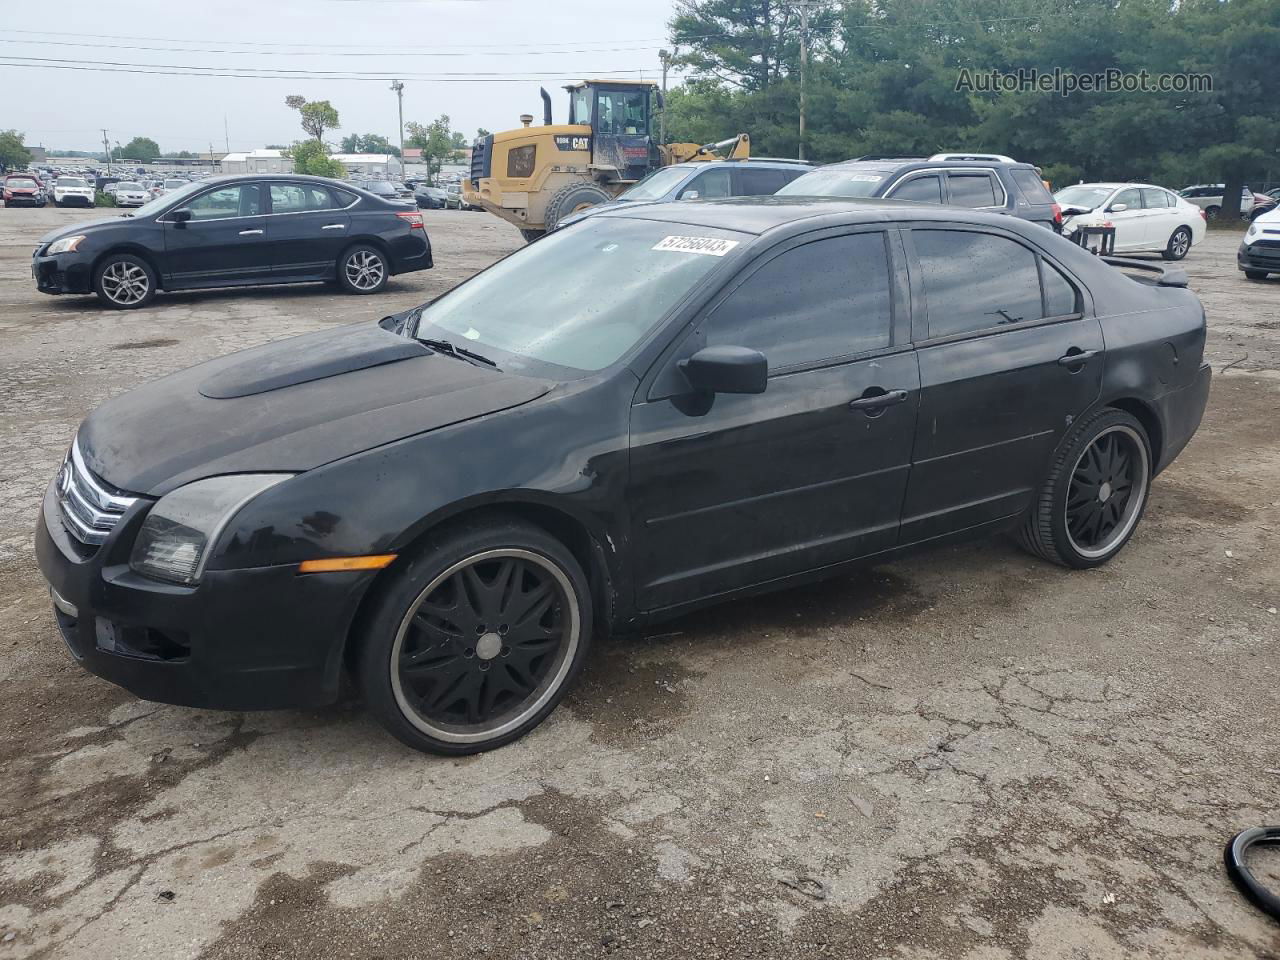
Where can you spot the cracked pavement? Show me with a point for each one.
(966, 754)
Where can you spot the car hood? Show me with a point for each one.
(91, 226)
(289, 406)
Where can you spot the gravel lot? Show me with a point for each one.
(969, 755)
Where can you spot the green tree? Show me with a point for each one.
(435, 140)
(140, 148)
(481, 133)
(312, 157)
(317, 115)
(13, 152)
(368, 143)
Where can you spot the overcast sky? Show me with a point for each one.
(531, 42)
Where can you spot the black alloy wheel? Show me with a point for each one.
(1095, 495)
(477, 640)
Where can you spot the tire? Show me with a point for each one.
(1179, 244)
(1255, 274)
(363, 269)
(1211, 213)
(1060, 526)
(487, 683)
(532, 235)
(571, 198)
(124, 282)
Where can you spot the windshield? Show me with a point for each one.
(166, 200)
(656, 185)
(174, 184)
(1089, 195)
(128, 185)
(71, 182)
(22, 183)
(581, 297)
(836, 182)
(380, 187)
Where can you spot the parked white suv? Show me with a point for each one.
(72, 190)
(1208, 197)
(1147, 218)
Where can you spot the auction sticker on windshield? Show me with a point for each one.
(711, 246)
(865, 178)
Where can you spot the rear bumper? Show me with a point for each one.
(1258, 256)
(248, 639)
(1180, 413)
(411, 253)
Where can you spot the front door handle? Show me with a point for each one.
(334, 226)
(878, 401)
(250, 233)
(1074, 357)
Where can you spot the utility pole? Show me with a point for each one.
(665, 57)
(106, 148)
(226, 134)
(398, 87)
(804, 6)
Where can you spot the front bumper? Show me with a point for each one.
(72, 200)
(1259, 255)
(1181, 411)
(63, 273)
(249, 639)
(25, 199)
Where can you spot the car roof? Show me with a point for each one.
(887, 163)
(757, 215)
(775, 163)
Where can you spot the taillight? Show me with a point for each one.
(1057, 214)
(1203, 216)
(415, 220)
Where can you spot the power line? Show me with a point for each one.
(323, 53)
(379, 78)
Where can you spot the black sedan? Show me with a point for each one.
(430, 198)
(630, 418)
(236, 231)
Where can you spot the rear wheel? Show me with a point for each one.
(1095, 495)
(532, 235)
(1179, 244)
(124, 282)
(362, 269)
(476, 640)
(1211, 213)
(571, 198)
(1256, 274)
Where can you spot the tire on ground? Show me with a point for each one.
(1170, 252)
(571, 198)
(123, 281)
(400, 598)
(1044, 531)
(363, 269)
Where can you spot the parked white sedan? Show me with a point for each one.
(130, 193)
(1147, 218)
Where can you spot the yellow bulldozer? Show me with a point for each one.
(534, 177)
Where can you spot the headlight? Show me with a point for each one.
(65, 245)
(180, 530)
(1252, 232)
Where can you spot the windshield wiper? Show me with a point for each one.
(461, 353)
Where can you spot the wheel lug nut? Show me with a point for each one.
(502, 629)
(506, 651)
(470, 652)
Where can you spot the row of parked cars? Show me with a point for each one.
(427, 196)
(36, 189)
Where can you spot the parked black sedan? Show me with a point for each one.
(236, 231)
(635, 416)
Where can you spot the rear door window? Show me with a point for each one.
(972, 189)
(1155, 199)
(976, 281)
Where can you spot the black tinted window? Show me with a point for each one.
(1031, 185)
(970, 190)
(921, 189)
(759, 183)
(1059, 295)
(829, 298)
(976, 280)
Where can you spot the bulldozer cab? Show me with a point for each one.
(620, 118)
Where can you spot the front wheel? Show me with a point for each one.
(362, 269)
(532, 235)
(1179, 244)
(124, 282)
(476, 640)
(571, 198)
(1095, 495)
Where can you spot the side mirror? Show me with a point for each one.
(726, 370)
(1117, 208)
(180, 216)
(689, 195)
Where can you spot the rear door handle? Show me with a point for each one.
(1070, 359)
(334, 226)
(250, 233)
(878, 400)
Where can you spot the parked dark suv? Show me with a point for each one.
(978, 181)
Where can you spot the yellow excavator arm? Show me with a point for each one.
(738, 148)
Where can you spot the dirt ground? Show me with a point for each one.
(968, 755)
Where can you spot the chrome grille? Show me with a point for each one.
(89, 508)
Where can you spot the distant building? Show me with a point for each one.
(38, 155)
(257, 161)
(370, 164)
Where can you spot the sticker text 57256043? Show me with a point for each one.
(711, 246)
